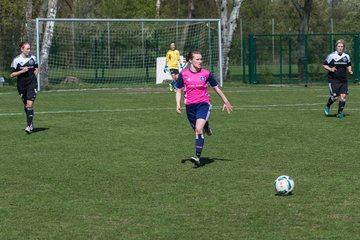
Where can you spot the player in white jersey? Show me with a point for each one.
(337, 64)
(25, 68)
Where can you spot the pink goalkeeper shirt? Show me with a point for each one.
(195, 85)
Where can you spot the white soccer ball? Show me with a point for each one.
(284, 185)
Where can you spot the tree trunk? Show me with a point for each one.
(46, 42)
(304, 13)
(158, 4)
(191, 9)
(228, 26)
(28, 31)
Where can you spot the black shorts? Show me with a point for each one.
(28, 92)
(337, 88)
(174, 71)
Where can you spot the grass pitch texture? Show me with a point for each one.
(113, 164)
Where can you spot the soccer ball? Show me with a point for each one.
(284, 185)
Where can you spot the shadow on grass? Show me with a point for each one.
(35, 130)
(205, 161)
(283, 195)
(334, 115)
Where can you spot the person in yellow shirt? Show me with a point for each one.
(172, 65)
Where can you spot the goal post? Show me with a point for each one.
(123, 51)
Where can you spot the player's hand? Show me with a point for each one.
(351, 72)
(228, 107)
(25, 69)
(333, 69)
(178, 109)
(166, 69)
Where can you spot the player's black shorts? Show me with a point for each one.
(337, 88)
(28, 92)
(174, 71)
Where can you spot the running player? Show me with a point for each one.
(336, 64)
(172, 65)
(25, 68)
(194, 81)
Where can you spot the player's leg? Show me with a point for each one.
(207, 128)
(174, 77)
(191, 110)
(202, 115)
(333, 97)
(199, 136)
(30, 98)
(342, 100)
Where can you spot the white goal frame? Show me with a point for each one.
(109, 20)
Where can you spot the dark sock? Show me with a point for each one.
(29, 115)
(330, 101)
(199, 143)
(206, 125)
(341, 106)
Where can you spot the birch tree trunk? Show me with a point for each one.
(158, 5)
(228, 26)
(46, 42)
(28, 31)
(304, 13)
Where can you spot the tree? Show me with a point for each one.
(228, 26)
(304, 13)
(46, 43)
(27, 31)
(158, 5)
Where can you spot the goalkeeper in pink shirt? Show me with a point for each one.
(194, 81)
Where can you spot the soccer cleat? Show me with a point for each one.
(208, 131)
(28, 130)
(340, 115)
(196, 161)
(327, 110)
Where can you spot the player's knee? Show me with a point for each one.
(29, 104)
(198, 130)
(343, 98)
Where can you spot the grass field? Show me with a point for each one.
(111, 164)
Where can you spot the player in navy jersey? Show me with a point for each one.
(337, 64)
(25, 68)
(194, 80)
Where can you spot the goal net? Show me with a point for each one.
(122, 51)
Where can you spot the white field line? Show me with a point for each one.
(161, 90)
(269, 107)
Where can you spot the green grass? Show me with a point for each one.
(108, 165)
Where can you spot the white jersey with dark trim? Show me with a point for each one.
(340, 62)
(19, 63)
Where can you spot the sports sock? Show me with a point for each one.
(206, 125)
(341, 106)
(29, 115)
(330, 101)
(199, 144)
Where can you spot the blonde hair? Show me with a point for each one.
(340, 41)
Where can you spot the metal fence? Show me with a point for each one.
(294, 58)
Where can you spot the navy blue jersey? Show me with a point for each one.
(340, 62)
